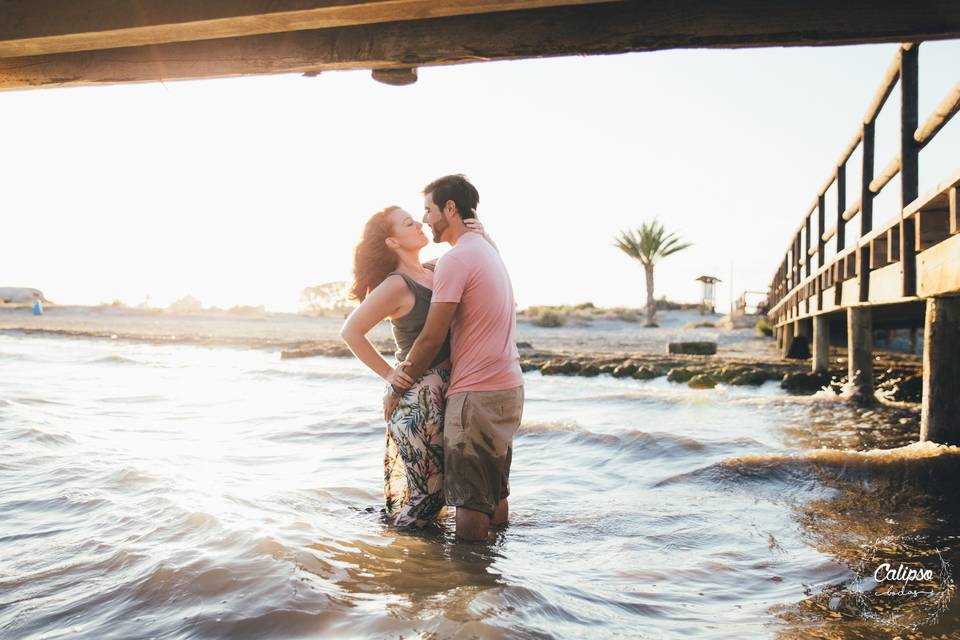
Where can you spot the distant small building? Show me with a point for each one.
(17, 295)
(708, 295)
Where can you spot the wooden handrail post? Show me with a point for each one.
(866, 196)
(909, 155)
(841, 205)
(821, 221)
(866, 211)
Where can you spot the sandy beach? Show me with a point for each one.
(289, 331)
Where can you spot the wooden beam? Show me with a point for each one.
(866, 177)
(947, 108)
(42, 27)
(860, 351)
(851, 211)
(889, 172)
(883, 92)
(938, 269)
(954, 196)
(909, 156)
(940, 404)
(608, 28)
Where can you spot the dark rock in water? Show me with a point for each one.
(750, 377)
(527, 365)
(702, 381)
(680, 374)
(646, 373)
(328, 350)
(727, 374)
(589, 370)
(524, 345)
(805, 382)
(626, 370)
(799, 348)
(560, 368)
(906, 389)
(608, 368)
(703, 348)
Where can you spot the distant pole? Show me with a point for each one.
(731, 288)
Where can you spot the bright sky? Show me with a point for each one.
(247, 190)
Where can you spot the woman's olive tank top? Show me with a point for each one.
(408, 327)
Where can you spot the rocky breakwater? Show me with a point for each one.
(897, 377)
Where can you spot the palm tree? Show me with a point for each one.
(648, 244)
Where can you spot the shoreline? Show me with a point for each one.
(612, 347)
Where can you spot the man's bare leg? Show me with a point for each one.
(501, 515)
(472, 525)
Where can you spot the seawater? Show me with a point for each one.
(186, 492)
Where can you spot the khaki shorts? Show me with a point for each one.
(478, 447)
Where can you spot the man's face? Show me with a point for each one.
(433, 216)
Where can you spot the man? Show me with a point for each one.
(473, 297)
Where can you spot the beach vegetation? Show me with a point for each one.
(326, 299)
(649, 244)
(764, 328)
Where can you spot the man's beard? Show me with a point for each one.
(438, 229)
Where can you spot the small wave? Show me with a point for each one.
(307, 375)
(114, 359)
(926, 462)
(654, 444)
(33, 434)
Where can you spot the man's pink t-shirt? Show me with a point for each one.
(482, 344)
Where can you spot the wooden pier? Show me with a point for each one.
(902, 274)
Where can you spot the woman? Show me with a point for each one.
(390, 282)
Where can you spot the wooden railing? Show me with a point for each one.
(798, 280)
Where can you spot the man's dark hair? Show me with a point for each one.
(456, 188)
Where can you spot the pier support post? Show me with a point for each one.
(860, 351)
(800, 349)
(821, 344)
(787, 335)
(940, 411)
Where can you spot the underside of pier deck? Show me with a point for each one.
(49, 43)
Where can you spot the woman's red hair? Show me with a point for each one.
(372, 259)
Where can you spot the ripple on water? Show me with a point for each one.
(633, 444)
(40, 436)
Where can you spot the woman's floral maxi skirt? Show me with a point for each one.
(413, 463)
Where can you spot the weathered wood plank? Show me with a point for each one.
(954, 197)
(43, 27)
(615, 27)
(938, 269)
(885, 284)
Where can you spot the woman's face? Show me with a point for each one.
(407, 233)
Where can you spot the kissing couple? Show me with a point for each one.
(455, 399)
